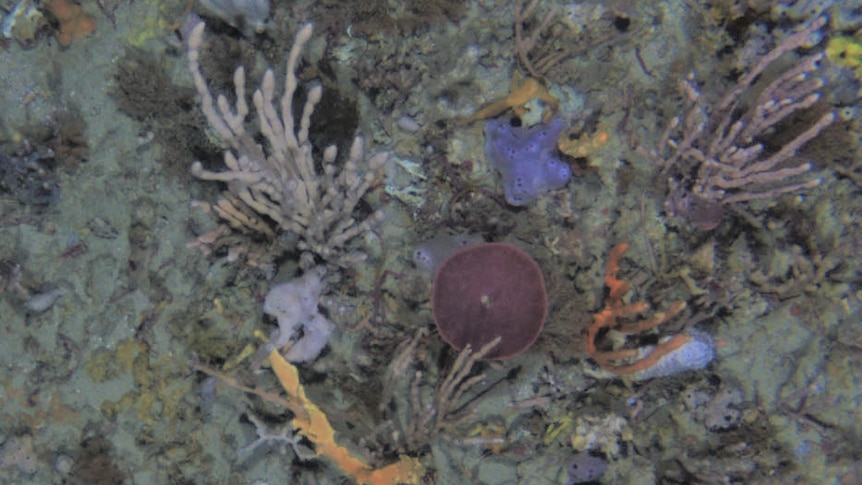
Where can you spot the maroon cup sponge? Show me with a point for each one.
(490, 290)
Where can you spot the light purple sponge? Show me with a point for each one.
(526, 158)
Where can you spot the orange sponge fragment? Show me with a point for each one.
(74, 22)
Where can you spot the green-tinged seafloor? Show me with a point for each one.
(109, 319)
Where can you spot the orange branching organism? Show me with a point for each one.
(314, 425)
(519, 95)
(630, 361)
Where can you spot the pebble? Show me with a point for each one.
(43, 301)
(63, 464)
(408, 124)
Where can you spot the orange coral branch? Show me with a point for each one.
(628, 361)
(315, 426)
(519, 96)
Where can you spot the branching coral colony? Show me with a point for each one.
(283, 187)
(691, 349)
(716, 153)
(279, 189)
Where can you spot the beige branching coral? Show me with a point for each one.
(277, 188)
(717, 151)
(427, 415)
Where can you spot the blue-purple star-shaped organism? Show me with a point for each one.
(526, 158)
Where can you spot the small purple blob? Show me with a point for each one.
(701, 213)
(430, 254)
(526, 158)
